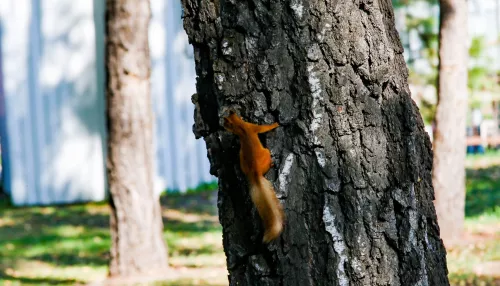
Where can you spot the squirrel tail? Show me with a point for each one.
(268, 206)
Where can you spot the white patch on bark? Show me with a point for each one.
(315, 87)
(321, 35)
(413, 198)
(220, 80)
(412, 242)
(320, 156)
(356, 267)
(424, 280)
(338, 243)
(298, 9)
(412, 239)
(428, 245)
(283, 176)
(226, 49)
(251, 44)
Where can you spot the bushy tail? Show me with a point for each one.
(268, 206)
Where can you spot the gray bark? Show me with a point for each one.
(451, 112)
(136, 221)
(352, 160)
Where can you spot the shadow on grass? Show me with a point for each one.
(37, 281)
(78, 235)
(83, 252)
(198, 203)
(483, 191)
(198, 227)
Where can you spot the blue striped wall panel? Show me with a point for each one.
(54, 112)
(53, 139)
(181, 159)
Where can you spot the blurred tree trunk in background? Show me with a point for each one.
(451, 112)
(352, 160)
(136, 221)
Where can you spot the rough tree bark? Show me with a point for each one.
(136, 221)
(449, 139)
(352, 160)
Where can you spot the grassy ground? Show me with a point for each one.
(476, 261)
(69, 245)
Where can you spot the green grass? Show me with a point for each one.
(476, 261)
(201, 188)
(483, 193)
(69, 245)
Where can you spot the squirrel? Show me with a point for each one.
(255, 161)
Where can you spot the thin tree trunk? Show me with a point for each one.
(136, 221)
(352, 160)
(451, 111)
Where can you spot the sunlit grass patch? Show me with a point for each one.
(476, 261)
(199, 261)
(472, 279)
(35, 272)
(69, 245)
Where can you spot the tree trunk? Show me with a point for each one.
(451, 112)
(352, 160)
(136, 220)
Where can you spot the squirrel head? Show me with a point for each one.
(233, 123)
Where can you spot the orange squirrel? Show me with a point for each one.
(255, 161)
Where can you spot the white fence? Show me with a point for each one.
(52, 108)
